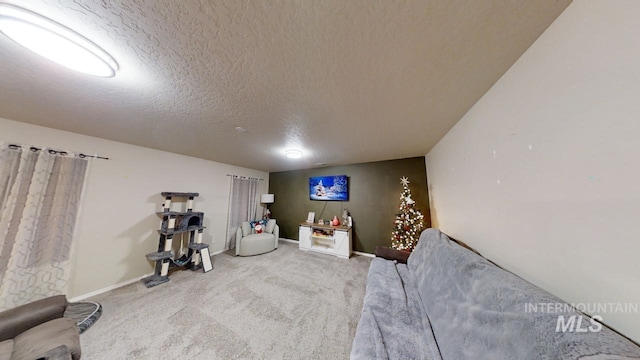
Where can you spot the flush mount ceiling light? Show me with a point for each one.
(293, 153)
(54, 41)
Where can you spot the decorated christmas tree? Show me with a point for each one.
(409, 221)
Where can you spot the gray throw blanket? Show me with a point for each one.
(393, 324)
(478, 311)
(449, 303)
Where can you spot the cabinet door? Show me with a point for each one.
(304, 238)
(343, 248)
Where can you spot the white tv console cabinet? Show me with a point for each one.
(325, 239)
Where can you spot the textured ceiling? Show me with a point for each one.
(345, 81)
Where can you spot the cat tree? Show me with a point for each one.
(188, 223)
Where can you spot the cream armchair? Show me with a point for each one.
(249, 243)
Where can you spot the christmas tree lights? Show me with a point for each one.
(409, 221)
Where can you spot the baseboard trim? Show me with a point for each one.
(364, 254)
(219, 252)
(121, 284)
(108, 288)
(288, 240)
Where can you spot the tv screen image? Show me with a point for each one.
(329, 188)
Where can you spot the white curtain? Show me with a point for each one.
(39, 200)
(242, 205)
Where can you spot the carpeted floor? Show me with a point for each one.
(287, 304)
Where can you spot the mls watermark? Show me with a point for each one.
(572, 319)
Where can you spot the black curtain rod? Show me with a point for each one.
(244, 177)
(54, 152)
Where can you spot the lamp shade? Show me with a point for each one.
(267, 198)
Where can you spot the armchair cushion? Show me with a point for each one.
(246, 228)
(258, 222)
(271, 225)
(20, 319)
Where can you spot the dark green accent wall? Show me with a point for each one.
(374, 197)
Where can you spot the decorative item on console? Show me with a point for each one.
(345, 217)
(335, 221)
(311, 217)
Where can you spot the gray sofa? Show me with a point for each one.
(38, 330)
(449, 303)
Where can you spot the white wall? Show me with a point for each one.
(118, 223)
(542, 175)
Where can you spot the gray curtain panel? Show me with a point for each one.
(242, 205)
(40, 197)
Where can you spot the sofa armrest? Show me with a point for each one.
(276, 234)
(238, 238)
(17, 320)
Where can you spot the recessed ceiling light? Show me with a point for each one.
(54, 41)
(293, 153)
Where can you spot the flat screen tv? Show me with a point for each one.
(332, 188)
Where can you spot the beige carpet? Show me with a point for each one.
(287, 304)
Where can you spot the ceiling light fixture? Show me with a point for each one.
(293, 153)
(54, 41)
